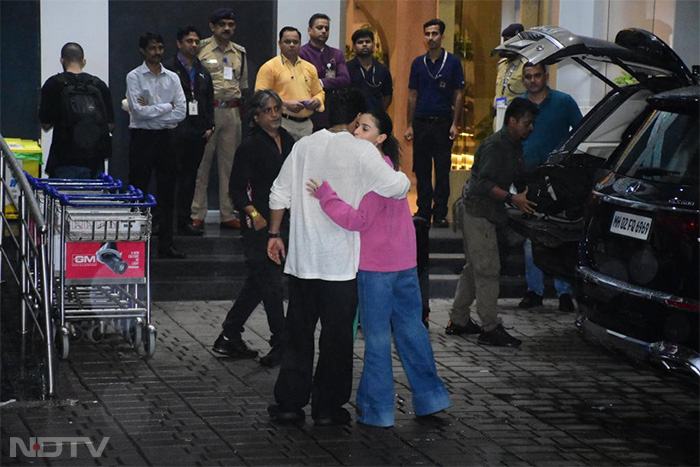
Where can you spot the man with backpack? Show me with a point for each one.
(78, 106)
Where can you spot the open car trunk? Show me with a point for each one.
(562, 186)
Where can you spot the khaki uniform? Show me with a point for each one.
(509, 78)
(227, 135)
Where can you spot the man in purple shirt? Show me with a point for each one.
(329, 62)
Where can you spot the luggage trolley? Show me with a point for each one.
(100, 259)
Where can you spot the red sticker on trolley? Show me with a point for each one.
(88, 260)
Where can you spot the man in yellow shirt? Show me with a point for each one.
(226, 62)
(296, 81)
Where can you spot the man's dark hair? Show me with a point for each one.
(532, 65)
(362, 34)
(436, 22)
(72, 52)
(316, 16)
(519, 108)
(146, 38)
(289, 28)
(259, 100)
(343, 105)
(186, 31)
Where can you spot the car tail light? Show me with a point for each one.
(684, 227)
(683, 305)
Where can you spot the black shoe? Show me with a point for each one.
(531, 299)
(566, 303)
(441, 223)
(190, 230)
(456, 330)
(278, 414)
(498, 337)
(421, 218)
(273, 357)
(340, 417)
(233, 348)
(172, 253)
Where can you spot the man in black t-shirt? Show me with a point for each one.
(367, 74)
(81, 141)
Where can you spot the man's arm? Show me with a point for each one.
(265, 78)
(458, 105)
(519, 200)
(147, 111)
(410, 114)
(383, 179)
(179, 103)
(318, 95)
(275, 245)
(48, 106)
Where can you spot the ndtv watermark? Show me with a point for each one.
(52, 446)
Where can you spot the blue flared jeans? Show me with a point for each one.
(392, 300)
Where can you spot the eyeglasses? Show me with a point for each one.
(290, 41)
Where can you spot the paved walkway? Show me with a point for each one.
(556, 401)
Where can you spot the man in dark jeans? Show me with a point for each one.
(255, 166)
(65, 159)
(157, 104)
(192, 134)
(435, 101)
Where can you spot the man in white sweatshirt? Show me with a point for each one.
(323, 260)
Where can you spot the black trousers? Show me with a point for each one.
(189, 149)
(263, 284)
(151, 150)
(335, 304)
(432, 143)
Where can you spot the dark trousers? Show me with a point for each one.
(263, 284)
(335, 304)
(432, 143)
(189, 150)
(151, 150)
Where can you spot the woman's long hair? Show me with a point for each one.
(390, 147)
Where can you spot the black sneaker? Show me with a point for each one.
(531, 299)
(340, 417)
(566, 304)
(282, 415)
(273, 357)
(233, 348)
(456, 330)
(498, 337)
(441, 223)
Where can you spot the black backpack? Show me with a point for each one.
(83, 120)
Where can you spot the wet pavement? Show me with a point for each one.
(558, 400)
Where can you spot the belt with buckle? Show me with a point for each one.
(295, 119)
(432, 119)
(227, 104)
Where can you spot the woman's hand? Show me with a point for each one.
(311, 186)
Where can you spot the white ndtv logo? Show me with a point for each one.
(38, 446)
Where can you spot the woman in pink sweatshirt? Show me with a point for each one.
(389, 295)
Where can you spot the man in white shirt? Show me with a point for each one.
(157, 105)
(323, 260)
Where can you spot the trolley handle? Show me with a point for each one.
(148, 202)
(133, 195)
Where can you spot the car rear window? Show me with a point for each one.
(665, 150)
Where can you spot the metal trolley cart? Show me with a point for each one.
(99, 261)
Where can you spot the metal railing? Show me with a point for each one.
(24, 247)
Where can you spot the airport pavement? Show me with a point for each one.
(558, 400)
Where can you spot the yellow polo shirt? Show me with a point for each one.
(293, 82)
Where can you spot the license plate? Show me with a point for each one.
(630, 225)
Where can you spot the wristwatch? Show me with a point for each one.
(509, 198)
(274, 234)
(253, 214)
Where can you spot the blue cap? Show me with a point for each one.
(222, 13)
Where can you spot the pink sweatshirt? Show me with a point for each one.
(387, 235)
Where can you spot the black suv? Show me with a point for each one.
(620, 201)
